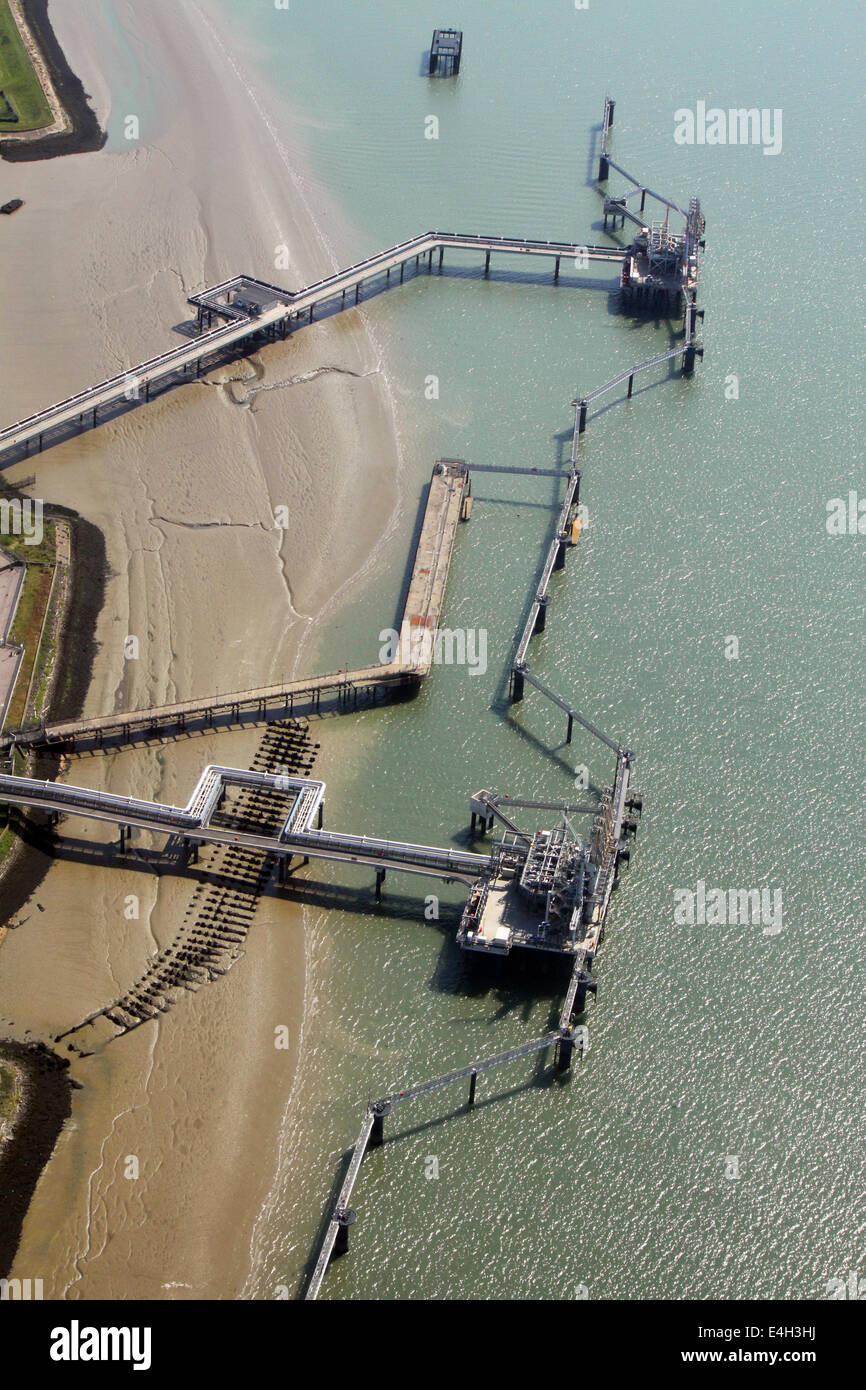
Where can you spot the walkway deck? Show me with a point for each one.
(194, 826)
(284, 313)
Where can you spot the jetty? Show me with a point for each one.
(533, 889)
(258, 312)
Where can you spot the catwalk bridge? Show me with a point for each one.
(659, 268)
(258, 310)
(296, 837)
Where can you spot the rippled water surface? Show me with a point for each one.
(706, 521)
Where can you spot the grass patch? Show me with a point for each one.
(22, 91)
(9, 1091)
(27, 627)
(35, 628)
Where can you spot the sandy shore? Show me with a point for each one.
(185, 491)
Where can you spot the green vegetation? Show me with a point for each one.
(9, 1091)
(22, 91)
(34, 627)
(27, 628)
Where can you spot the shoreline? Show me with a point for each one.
(43, 1105)
(82, 132)
(27, 864)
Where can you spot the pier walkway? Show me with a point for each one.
(271, 312)
(296, 838)
(336, 1239)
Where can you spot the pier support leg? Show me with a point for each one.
(377, 1134)
(570, 728)
(603, 169)
(556, 271)
(581, 425)
(559, 562)
(541, 615)
(124, 838)
(565, 1050)
(586, 985)
(487, 263)
(441, 254)
(380, 879)
(320, 815)
(345, 1219)
(357, 291)
(516, 686)
(473, 1077)
(630, 386)
(642, 199)
(402, 270)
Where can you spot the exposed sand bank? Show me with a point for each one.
(185, 491)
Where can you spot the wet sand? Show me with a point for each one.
(185, 491)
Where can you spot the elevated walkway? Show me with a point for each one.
(256, 308)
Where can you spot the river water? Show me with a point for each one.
(711, 1146)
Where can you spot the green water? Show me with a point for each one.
(706, 521)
